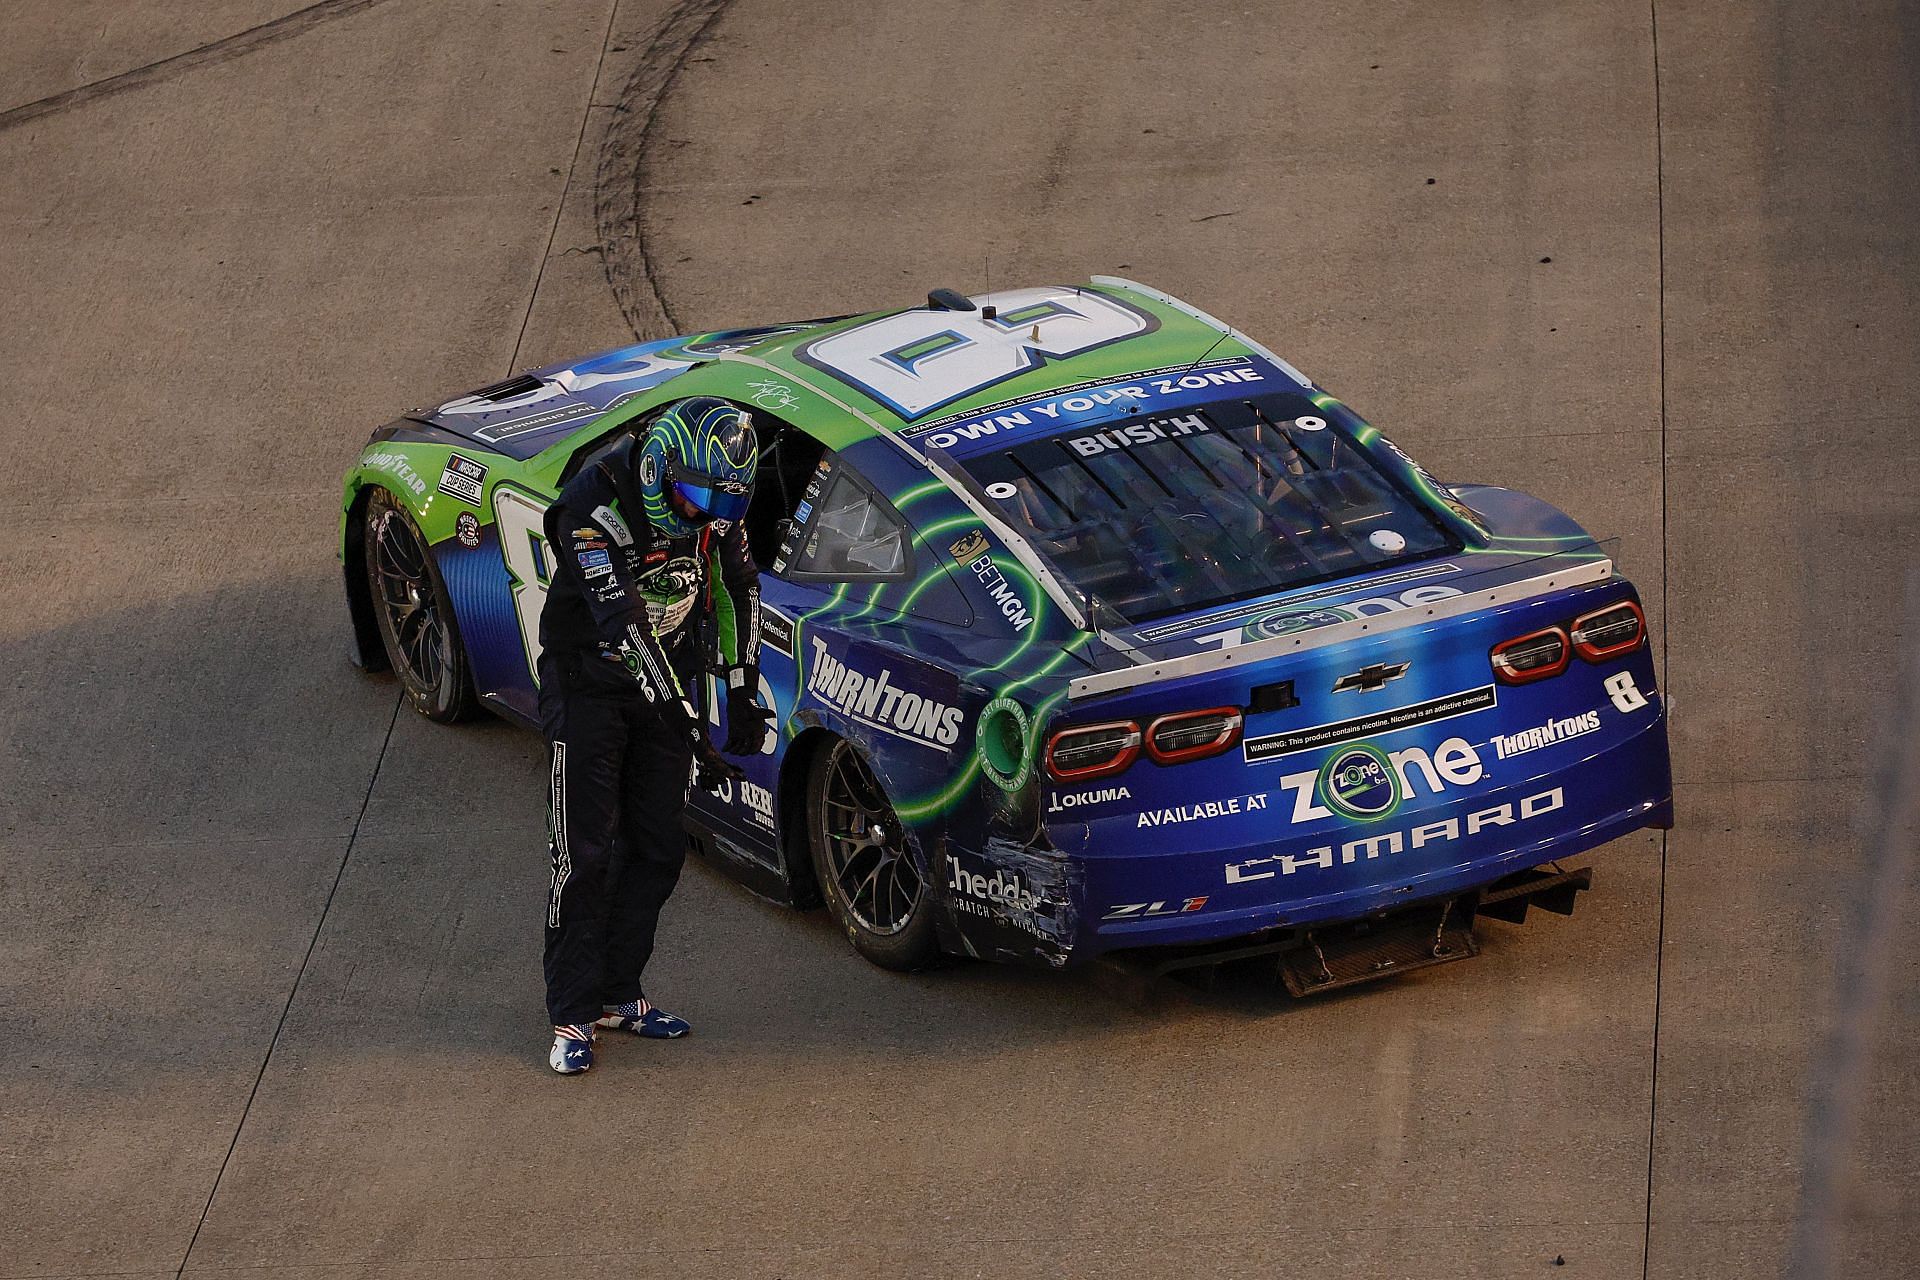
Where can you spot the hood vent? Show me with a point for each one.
(512, 387)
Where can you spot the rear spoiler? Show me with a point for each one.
(1104, 682)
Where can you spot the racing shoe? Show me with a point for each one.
(572, 1051)
(643, 1019)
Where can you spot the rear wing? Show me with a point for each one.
(1103, 682)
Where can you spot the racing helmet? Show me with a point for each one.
(695, 465)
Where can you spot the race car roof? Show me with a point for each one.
(910, 370)
(905, 371)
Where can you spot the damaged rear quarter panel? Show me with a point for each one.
(1013, 902)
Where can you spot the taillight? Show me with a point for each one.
(1534, 656)
(1093, 750)
(1609, 632)
(1193, 735)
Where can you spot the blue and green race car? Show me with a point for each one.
(1090, 626)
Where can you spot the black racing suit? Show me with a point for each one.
(622, 660)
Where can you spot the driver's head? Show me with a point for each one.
(696, 465)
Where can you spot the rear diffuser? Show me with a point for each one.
(1366, 950)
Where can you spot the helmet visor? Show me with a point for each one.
(711, 496)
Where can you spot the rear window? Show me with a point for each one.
(1169, 512)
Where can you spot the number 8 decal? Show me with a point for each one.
(523, 545)
(917, 361)
(1625, 693)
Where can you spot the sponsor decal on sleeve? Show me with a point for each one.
(610, 521)
(464, 479)
(595, 564)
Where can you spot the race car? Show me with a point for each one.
(1090, 626)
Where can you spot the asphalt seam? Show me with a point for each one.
(1666, 617)
(313, 944)
(299, 22)
(794, 1246)
(566, 187)
(366, 801)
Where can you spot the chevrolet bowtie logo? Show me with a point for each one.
(1371, 677)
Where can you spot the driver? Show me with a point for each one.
(637, 537)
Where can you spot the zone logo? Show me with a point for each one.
(1363, 783)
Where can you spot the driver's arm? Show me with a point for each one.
(591, 548)
(736, 606)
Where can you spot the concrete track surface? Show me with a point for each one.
(269, 994)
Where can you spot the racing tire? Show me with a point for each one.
(415, 613)
(867, 876)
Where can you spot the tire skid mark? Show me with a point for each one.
(299, 22)
(620, 181)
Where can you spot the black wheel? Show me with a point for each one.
(860, 857)
(415, 614)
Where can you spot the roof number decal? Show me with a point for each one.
(916, 361)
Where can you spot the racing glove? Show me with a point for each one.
(746, 718)
(711, 770)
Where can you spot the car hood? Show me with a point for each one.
(529, 411)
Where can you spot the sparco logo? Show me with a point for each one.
(1388, 843)
(877, 701)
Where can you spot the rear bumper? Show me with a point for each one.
(1152, 899)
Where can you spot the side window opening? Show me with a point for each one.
(788, 460)
(850, 534)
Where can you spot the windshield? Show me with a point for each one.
(1169, 512)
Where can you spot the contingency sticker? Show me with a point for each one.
(464, 479)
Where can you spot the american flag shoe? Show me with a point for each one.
(572, 1051)
(643, 1019)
